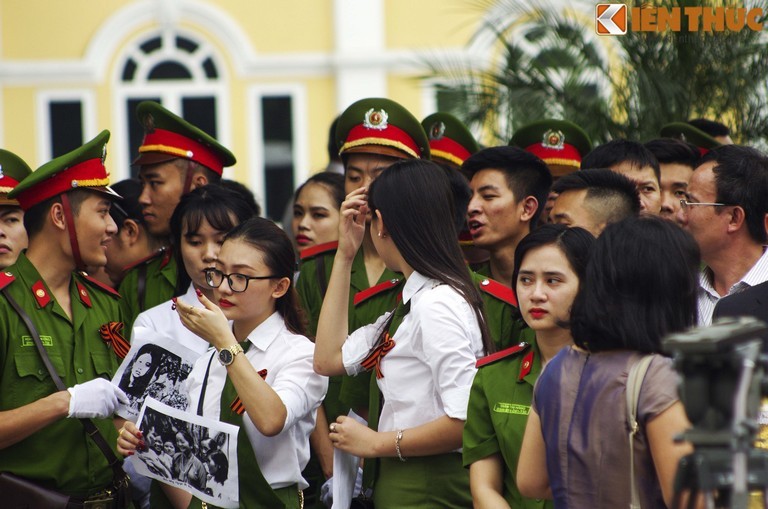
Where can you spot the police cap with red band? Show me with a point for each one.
(559, 143)
(83, 168)
(686, 132)
(449, 138)
(381, 126)
(13, 170)
(168, 136)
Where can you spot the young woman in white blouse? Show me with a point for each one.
(423, 353)
(261, 363)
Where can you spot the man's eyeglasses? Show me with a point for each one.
(237, 282)
(684, 204)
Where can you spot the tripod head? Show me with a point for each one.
(713, 363)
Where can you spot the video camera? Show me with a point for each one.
(722, 369)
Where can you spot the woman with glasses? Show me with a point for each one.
(198, 225)
(259, 374)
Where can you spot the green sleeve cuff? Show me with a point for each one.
(480, 451)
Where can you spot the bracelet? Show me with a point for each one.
(398, 437)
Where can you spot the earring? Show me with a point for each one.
(379, 234)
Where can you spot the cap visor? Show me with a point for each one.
(561, 170)
(4, 200)
(381, 150)
(105, 190)
(148, 158)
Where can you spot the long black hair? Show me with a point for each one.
(279, 257)
(416, 203)
(641, 284)
(222, 208)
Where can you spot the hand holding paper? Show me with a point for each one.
(95, 398)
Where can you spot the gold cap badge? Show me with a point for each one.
(553, 139)
(375, 119)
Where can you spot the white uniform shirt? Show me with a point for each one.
(163, 319)
(429, 372)
(287, 357)
(708, 297)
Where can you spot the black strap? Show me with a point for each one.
(141, 285)
(89, 426)
(245, 345)
(205, 384)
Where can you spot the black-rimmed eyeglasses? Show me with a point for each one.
(237, 282)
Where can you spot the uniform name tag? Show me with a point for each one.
(511, 408)
(28, 341)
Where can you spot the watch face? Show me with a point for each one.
(226, 357)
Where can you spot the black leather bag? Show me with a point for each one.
(19, 493)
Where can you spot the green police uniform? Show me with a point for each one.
(505, 323)
(166, 137)
(366, 304)
(499, 403)
(146, 284)
(60, 456)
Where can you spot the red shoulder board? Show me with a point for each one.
(83, 293)
(313, 251)
(512, 350)
(6, 278)
(166, 256)
(375, 290)
(148, 259)
(525, 366)
(41, 296)
(98, 284)
(498, 290)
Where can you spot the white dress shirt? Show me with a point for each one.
(165, 320)
(708, 296)
(287, 357)
(429, 372)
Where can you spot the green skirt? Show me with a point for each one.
(420, 482)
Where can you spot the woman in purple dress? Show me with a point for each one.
(640, 285)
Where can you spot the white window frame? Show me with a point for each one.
(170, 92)
(87, 101)
(255, 135)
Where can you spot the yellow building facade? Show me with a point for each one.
(265, 78)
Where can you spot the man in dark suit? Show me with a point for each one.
(752, 301)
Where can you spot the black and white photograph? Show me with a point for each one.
(190, 452)
(155, 367)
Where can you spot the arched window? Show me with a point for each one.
(177, 70)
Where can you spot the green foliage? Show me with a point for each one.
(548, 62)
